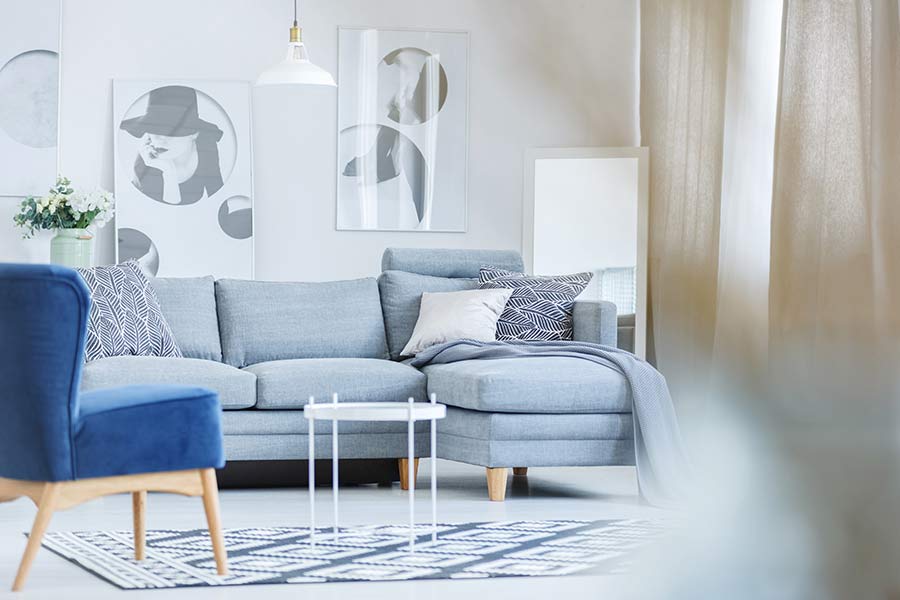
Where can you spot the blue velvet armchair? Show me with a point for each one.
(61, 448)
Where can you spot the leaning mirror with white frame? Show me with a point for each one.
(586, 210)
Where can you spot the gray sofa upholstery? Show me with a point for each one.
(265, 347)
(513, 412)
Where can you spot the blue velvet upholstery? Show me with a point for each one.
(147, 428)
(48, 432)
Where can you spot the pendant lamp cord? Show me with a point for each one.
(295, 13)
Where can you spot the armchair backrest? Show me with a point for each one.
(43, 320)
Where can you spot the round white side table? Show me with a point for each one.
(410, 412)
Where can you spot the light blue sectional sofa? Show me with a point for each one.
(265, 347)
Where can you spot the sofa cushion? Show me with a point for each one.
(125, 317)
(444, 262)
(236, 388)
(261, 321)
(502, 439)
(189, 305)
(289, 383)
(401, 294)
(540, 308)
(530, 385)
(449, 316)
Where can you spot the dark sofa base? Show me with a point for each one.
(294, 473)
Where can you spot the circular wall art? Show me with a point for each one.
(385, 177)
(236, 217)
(29, 87)
(136, 245)
(412, 85)
(178, 144)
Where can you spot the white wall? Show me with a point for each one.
(542, 73)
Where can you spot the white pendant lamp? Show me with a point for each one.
(296, 69)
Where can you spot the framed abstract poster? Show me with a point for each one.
(184, 188)
(402, 130)
(29, 96)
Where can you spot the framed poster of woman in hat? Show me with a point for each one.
(183, 177)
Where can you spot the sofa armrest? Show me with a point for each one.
(595, 321)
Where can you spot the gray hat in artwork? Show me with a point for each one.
(172, 111)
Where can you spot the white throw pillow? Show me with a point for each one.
(448, 316)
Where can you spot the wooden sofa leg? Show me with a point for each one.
(403, 464)
(496, 480)
(139, 509)
(520, 471)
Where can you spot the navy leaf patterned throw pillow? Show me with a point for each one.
(540, 308)
(125, 317)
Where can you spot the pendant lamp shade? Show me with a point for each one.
(296, 68)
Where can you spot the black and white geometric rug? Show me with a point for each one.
(366, 553)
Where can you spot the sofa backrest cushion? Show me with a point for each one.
(189, 306)
(401, 294)
(442, 262)
(409, 272)
(261, 321)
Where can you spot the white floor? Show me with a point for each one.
(573, 493)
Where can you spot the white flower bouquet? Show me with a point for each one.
(64, 208)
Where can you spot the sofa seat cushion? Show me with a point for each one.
(556, 385)
(147, 429)
(288, 384)
(236, 388)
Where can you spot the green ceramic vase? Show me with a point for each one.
(72, 248)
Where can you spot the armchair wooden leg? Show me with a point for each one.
(139, 509)
(211, 506)
(403, 464)
(45, 511)
(520, 471)
(496, 480)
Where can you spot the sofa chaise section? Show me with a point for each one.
(512, 412)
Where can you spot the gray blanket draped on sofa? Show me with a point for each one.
(664, 472)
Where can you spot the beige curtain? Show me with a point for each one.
(834, 299)
(683, 66)
(835, 302)
(774, 135)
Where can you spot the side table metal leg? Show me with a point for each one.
(312, 476)
(334, 469)
(433, 474)
(410, 447)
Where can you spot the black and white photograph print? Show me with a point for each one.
(402, 130)
(29, 96)
(177, 159)
(183, 177)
